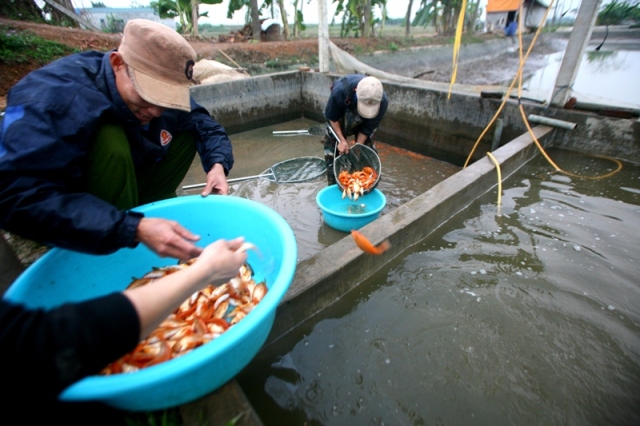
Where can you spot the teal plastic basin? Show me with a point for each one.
(62, 276)
(345, 214)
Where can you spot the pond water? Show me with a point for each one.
(605, 76)
(524, 314)
(405, 175)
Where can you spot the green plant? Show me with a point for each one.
(617, 12)
(393, 47)
(18, 47)
(169, 417)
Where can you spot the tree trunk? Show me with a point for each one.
(384, 18)
(366, 32)
(296, 29)
(435, 15)
(194, 17)
(285, 23)
(471, 27)
(255, 20)
(407, 29)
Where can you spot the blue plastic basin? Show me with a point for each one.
(62, 276)
(345, 214)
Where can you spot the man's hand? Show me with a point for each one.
(167, 238)
(343, 147)
(216, 182)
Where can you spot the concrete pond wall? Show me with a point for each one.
(420, 120)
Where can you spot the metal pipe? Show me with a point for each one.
(551, 122)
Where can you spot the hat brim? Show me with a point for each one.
(368, 111)
(160, 93)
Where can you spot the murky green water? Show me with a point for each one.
(405, 175)
(527, 314)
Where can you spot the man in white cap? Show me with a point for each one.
(356, 106)
(92, 135)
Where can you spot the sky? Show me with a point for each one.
(218, 13)
(395, 9)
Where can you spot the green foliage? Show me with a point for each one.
(170, 417)
(97, 4)
(21, 10)
(393, 47)
(236, 5)
(114, 25)
(300, 21)
(615, 13)
(354, 15)
(234, 420)
(169, 9)
(24, 47)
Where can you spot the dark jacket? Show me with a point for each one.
(344, 98)
(46, 136)
(44, 351)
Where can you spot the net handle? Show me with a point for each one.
(240, 179)
(269, 172)
(311, 131)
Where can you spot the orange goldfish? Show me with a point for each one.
(366, 246)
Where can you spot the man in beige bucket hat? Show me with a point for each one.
(356, 106)
(92, 135)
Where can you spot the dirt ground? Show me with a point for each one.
(244, 53)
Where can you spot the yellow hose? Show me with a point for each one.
(558, 169)
(518, 77)
(495, 162)
(506, 97)
(456, 45)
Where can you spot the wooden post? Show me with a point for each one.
(323, 36)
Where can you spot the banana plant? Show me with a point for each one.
(443, 14)
(182, 9)
(353, 18)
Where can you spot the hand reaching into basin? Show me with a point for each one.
(218, 263)
(167, 238)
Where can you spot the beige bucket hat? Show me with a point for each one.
(369, 92)
(160, 62)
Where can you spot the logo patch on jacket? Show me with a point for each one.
(165, 137)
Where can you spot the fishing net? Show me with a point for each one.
(299, 169)
(359, 157)
(347, 64)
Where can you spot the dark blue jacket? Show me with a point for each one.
(343, 97)
(46, 136)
